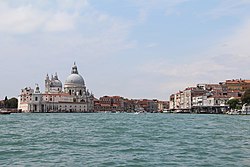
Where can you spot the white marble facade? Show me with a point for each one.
(73, 98)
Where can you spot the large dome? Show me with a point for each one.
(74, 79)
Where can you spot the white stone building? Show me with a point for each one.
(73, 98)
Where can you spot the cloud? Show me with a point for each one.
(46, 35)
(29, 17)
(60, 22)
(152, 45)
(229, 59)
(229, 8)
(168, 7)
(238, 43)
(19, 20)
(65, 25)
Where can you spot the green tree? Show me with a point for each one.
(246, 97)
(233, 103)
(5, 101)
(11, 103)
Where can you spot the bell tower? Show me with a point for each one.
(47, 83)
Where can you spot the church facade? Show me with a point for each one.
(74, 97)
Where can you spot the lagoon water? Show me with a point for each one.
(110, 139)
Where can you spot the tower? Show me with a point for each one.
(47, 83)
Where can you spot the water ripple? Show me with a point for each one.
(124, 140)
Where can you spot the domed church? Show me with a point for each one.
(73, 98)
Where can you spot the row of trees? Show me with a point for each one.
(10, 103)
(237, 103)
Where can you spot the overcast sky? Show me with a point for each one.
(131, 48)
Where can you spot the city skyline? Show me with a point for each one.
(135, 49)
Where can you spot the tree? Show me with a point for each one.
(5, 101)
(233, 103)
(11, 103)
(246, 97)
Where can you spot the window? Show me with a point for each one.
(36, 98)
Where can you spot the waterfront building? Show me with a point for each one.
(130, 105)
(209, 98)
(171, 102)
(74, 97)
(175, 101)
(162, 105)
(109, 103)
(147, 105)
(238, 84)
(121, 104)
(182, 100)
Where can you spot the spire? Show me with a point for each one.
(56, 76)
(37, 89)
(47, 77)
(74, 69)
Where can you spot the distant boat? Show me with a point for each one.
(4, 112)
(182, 111)
(139, 110)
(166, 111)
(233, 112)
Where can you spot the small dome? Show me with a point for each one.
(74, 79)
(56, 83)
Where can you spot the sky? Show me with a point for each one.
(135, 49)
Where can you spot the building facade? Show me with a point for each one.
(109, 103)
(121, 104)
(74, 97)
(238, 84)
(208, 98)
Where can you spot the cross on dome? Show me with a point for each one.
(74, 69)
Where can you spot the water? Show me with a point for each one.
(124, 140)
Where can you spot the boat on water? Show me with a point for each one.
(233, 112)
(5, 112)
(166, 111)
(139, 110)
(182, 112)
(245, 110)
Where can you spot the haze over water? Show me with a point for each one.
(124, 140)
